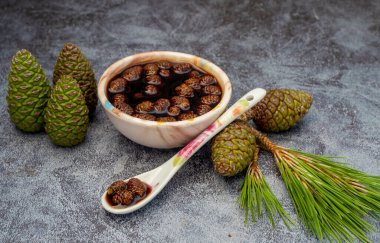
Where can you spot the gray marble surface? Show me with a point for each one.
(50, 193)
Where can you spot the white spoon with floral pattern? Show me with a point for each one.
(160, 176)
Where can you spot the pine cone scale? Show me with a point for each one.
(28, 91)
(233, 148)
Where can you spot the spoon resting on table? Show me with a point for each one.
(160, 176)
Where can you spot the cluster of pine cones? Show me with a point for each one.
(233, 149)
(64, 110)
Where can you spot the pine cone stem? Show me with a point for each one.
(254, 168)
(264, 142)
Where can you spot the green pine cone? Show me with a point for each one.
(28, 92)
(66, 114)
(233, 148)
(73, 63)
(280, 109)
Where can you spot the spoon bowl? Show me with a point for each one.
(160, 176)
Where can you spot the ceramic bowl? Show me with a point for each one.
(162, 134)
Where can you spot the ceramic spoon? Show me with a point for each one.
(160, 176)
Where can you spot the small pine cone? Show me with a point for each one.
(164, 65)
(125, 108)
(119, 98)
(164, 73)
(133, 73)
(174, 111)
(117, 86)
(166, 119)
(136, 186)
(210, 99)
(154, 80)
(187, 115)
(203, 109)
(212, 89)
(184, 90)
(148, 117)
(150, 69)
(207, 80)
(151, 90)
(193, 83)
(144, 107)
(116, 187)
(194, 74)
(182, 68)
(161, 105)
(181, 102)
(123, 197)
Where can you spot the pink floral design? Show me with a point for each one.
(188, 149)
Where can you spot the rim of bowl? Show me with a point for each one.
(145, 57)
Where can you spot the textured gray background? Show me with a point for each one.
(329, 49)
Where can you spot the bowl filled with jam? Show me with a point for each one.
(163, 99)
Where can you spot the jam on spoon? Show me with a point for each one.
(127, 193)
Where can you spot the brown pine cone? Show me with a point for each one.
(193, 83)
(194, 74)
(136, 186)
(164, 65)
(174, 111)
(144, 107)
(207, 80)
(124, 197)
(154, 80)
(133, 73)
(182, 68)
(150, 69)
(161, 105)
(210, 99)
(119, 98)
(116, 187)
(212, 89)
(184, 90)
(164, 73)
(181, 102)
(117, 85)
(124, 107)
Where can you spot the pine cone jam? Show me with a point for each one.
(127, 193)
(164, 91)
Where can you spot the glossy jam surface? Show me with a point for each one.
(164, 91)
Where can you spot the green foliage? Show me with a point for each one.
(330, 198)
(255, 193)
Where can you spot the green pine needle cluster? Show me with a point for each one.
(255, 192)
(330, 198)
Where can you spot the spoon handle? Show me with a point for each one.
(242, 105)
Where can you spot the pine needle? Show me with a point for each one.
(329, 197)
(256, 193)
